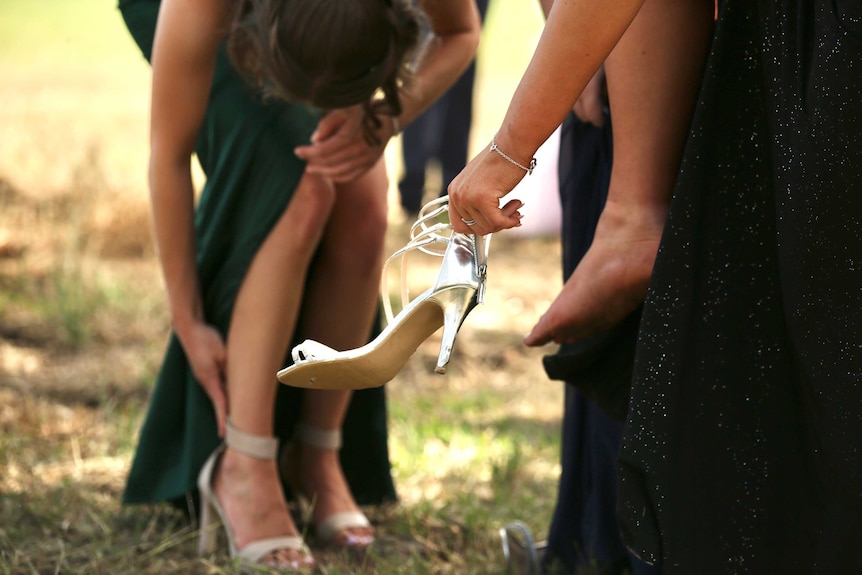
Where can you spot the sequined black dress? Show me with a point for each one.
(743, 448)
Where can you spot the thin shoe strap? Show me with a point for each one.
(254, 445)
(338, 522)
(257, 550)
(316, 437)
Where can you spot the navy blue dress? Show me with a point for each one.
(584, 532)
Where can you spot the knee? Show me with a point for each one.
(309, 210)
(356, 235)
(370, 233)
(371, 222)
(364, 243)
(360, 219)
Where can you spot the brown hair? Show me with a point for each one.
(327, 53)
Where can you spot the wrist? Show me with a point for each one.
(527, 166)
(183, 320)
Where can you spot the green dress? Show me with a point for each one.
(246, 150)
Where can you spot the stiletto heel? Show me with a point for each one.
(209, 524)
(460, 286)
(212, 513)
(456, 304)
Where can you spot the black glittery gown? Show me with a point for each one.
(743, 448)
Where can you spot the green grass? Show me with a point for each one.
(470, 451)
(461, 475)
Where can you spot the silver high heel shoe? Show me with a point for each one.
(460, 286)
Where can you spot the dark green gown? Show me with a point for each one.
(246, 150)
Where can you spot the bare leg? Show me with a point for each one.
(264, 315)
(343, 287)
(653, 77)
(339, 311)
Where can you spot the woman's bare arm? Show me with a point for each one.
(184, 51)
(456, 29)
(577, 38)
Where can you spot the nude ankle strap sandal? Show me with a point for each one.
(329, 528)
(320, 438)
(212, 513)
(249, 444)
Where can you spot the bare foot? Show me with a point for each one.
(249, 491)
(318, 475)
(611, 280)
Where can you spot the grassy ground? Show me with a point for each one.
(83, 326)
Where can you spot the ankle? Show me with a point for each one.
(634, 217)
(314, 468)
(238, 467)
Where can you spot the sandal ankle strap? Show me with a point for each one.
(316, 437)
(249, 444)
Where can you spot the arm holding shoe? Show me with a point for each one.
(582, 32)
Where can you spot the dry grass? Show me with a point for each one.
(83, 325)
(470, 450)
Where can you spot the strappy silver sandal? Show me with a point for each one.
(460, 286)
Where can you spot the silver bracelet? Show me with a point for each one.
(529, 169)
